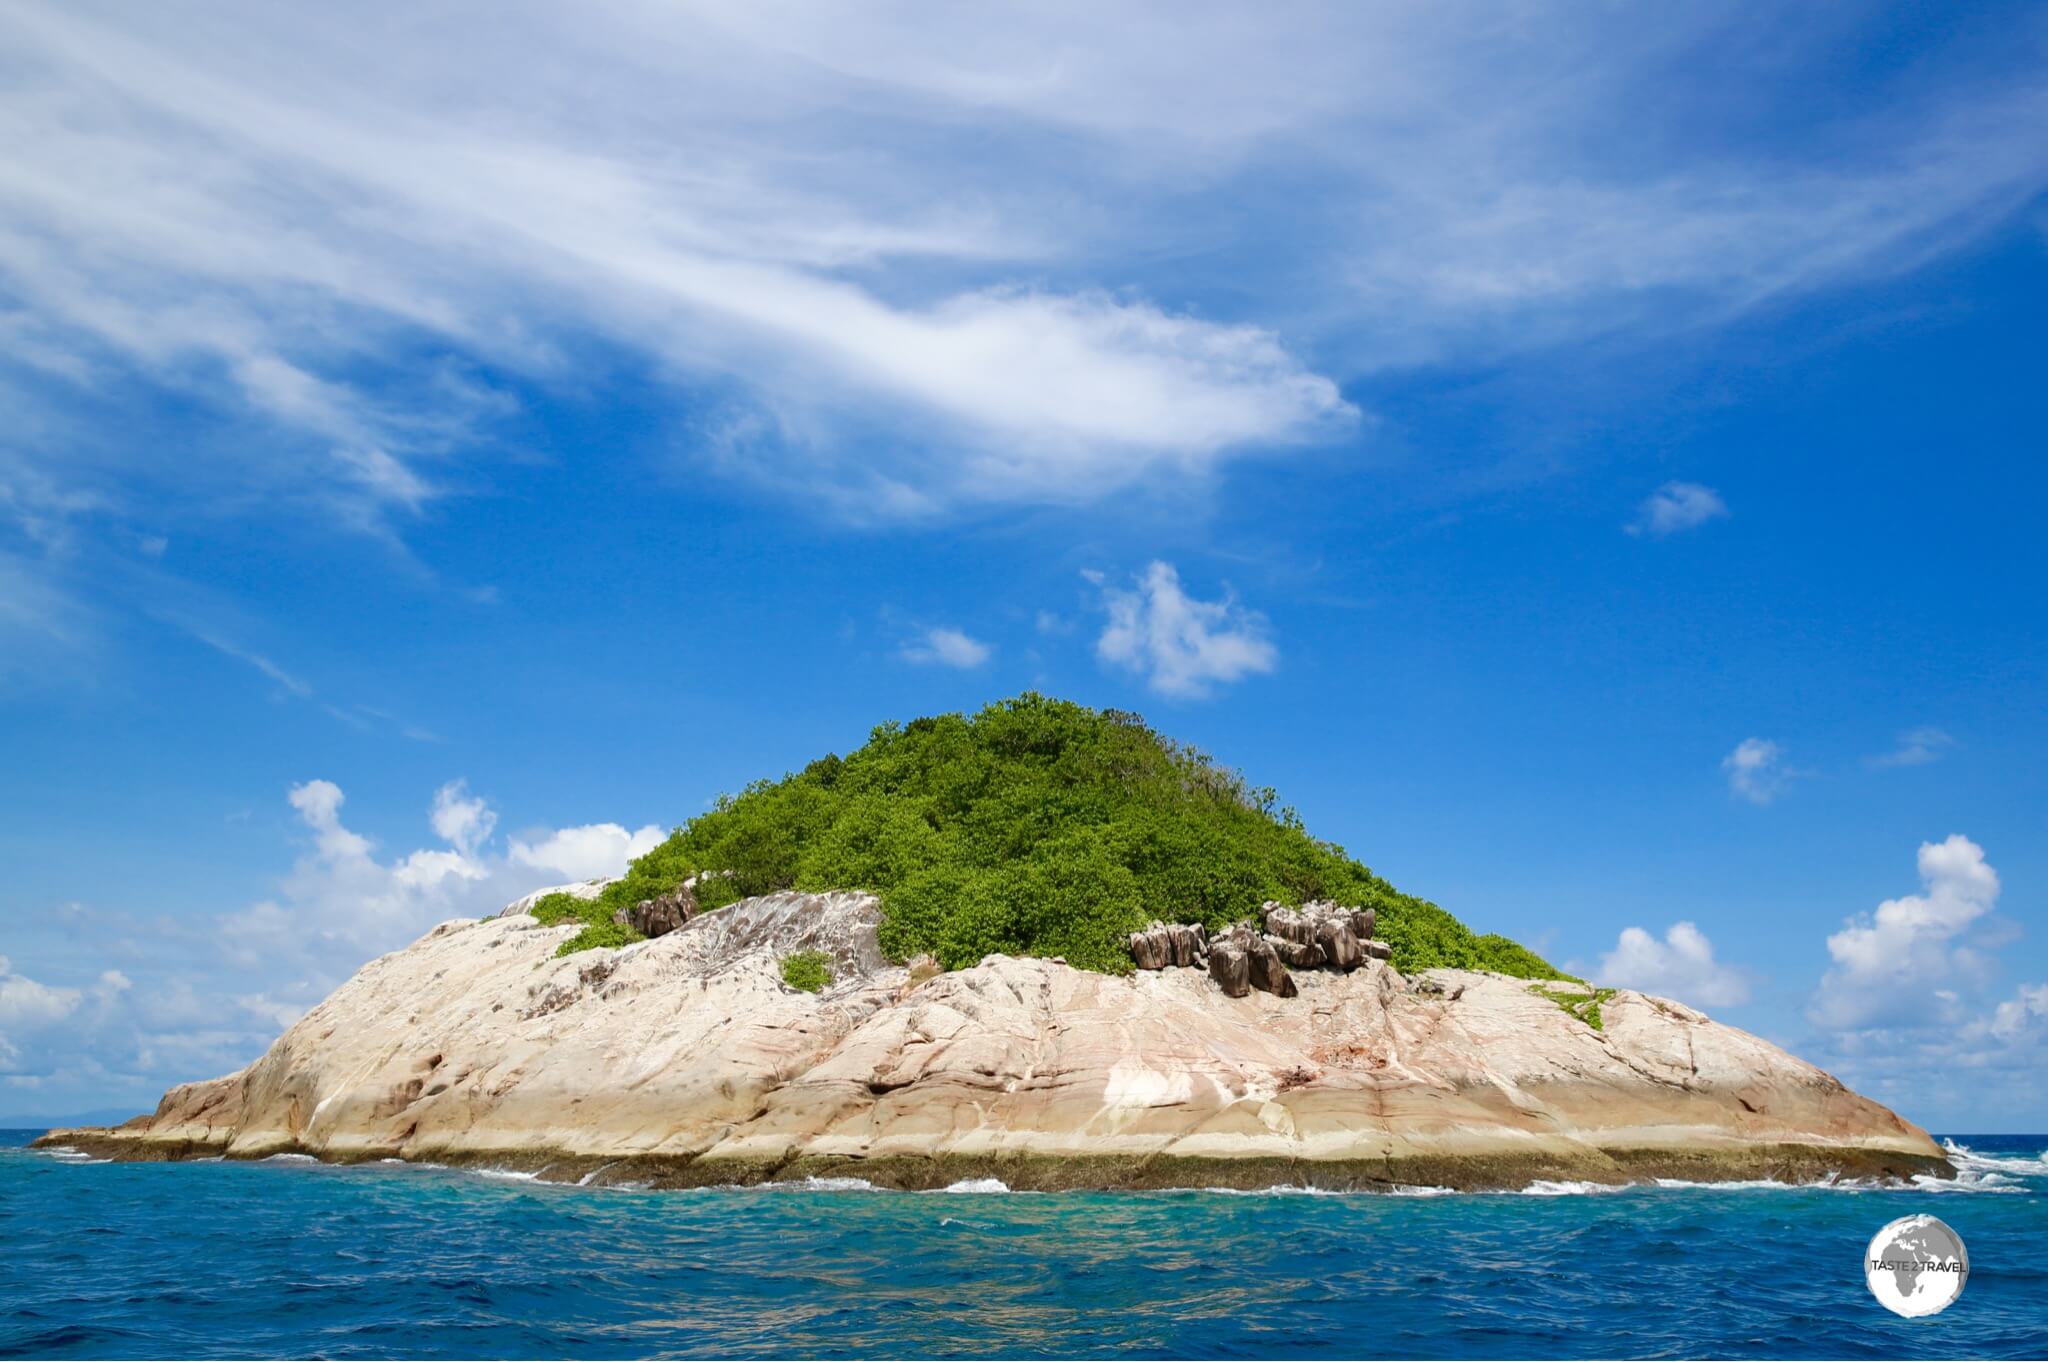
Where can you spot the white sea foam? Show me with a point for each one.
(291, 1158)
(1281, 1189)
(1422, 1191)
(1542, 1187)
(1964, 1157)
(979, 1185)
(1970, 1180)
(66, 1154)
(825, 1185)
(505, 1174)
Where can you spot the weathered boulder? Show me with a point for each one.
(1230, 967)
(663, 913)
(1361, 921)
(1339, 945)
(1378, 950)
(1319, 932)
(1267, 970)
(1287, 923)
(1162, 944)
(1264, 966)
(1294, 954)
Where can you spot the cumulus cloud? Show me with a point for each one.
(1756, 770)
(1890, 965)
(123, 1002)
(1182, 646)
(23, 1001)
(2022, 1012)
(1677, 506)
(460, 818)
(947, 648)
(1681, 966)
(343, 902)
(1916, 747)
(587, 852)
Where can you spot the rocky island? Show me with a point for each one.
(1005, 997)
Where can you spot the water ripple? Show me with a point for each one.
(290, 1258)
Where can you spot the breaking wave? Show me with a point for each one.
(1962, 1156)
(1543, 1187)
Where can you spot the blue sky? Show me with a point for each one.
(1587, 459)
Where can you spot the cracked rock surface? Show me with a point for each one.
(685, 1059)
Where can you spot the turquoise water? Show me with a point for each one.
(292, 1258)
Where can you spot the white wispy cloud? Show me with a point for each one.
(1757, 771)
(947, 647)
(272, 189)
(909, 224)
(1681, 966)
(1677, 506)
(1916, 747)
(228, 648)
(1181, 645)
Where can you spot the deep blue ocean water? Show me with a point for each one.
(291, 1258)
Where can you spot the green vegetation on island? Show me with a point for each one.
(1035, 827)
(807, 971)
(1581, 1003)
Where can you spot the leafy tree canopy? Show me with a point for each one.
(1035, 827)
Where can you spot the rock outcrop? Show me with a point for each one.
(685, 1060)
(661, 914)
(1163, 946)
(1317, 934)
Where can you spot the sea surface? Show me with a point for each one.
(288, 1257)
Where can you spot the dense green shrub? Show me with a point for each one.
(807, 971)
(1034, 827)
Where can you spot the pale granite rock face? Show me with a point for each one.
(686, 1059)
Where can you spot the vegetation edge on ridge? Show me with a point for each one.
(1033, 827)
